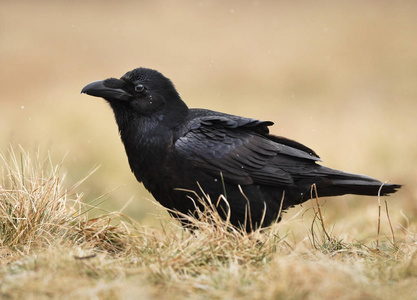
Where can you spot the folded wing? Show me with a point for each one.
(242, 150)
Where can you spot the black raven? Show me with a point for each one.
(174, 150)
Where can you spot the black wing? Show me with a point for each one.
(240, 148)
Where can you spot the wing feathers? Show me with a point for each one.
(241, 149)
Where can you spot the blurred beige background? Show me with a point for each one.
(338, 76)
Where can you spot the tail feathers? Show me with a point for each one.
(339, 183)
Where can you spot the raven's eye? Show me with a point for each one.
(139, 88)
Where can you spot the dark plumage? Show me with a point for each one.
(171, 148)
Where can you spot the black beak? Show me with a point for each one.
(99, 89)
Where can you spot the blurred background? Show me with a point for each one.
(338, 76)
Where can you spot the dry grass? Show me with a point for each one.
(37, 211)
(50, 248)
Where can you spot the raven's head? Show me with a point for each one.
(140, 92)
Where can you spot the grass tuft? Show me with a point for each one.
(37, 211)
